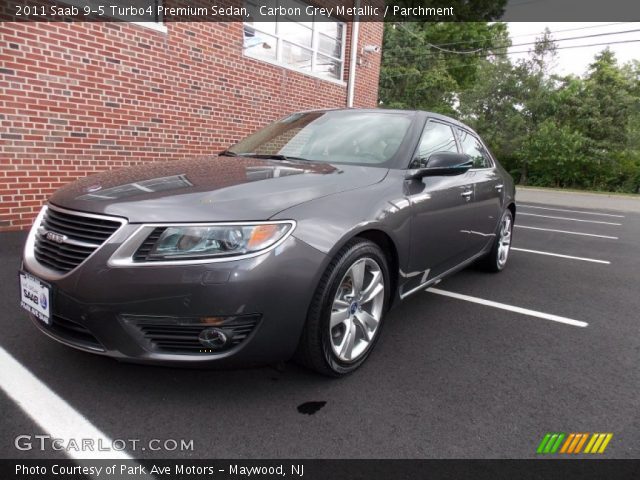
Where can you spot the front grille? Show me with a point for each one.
(180, 335)
(73, 333)
(83, 235)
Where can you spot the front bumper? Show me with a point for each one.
(98, 308)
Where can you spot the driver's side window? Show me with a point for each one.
(436, 137)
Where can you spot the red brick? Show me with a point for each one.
(153, 113)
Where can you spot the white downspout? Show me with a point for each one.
(355, 30)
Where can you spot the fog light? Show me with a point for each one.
(213, 338)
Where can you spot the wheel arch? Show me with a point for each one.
(512, 207)
(388, 246)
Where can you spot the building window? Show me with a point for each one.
(315, 46)
(146, 14)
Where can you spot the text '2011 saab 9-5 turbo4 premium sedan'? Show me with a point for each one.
(293, 242)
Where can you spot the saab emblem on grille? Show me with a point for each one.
(55, 237)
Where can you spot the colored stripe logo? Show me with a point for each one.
(573, 443)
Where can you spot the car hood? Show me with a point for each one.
(211, 188)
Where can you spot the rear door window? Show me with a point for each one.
(472, 146)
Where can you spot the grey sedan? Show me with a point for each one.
(294, 242)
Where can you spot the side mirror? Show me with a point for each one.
(441, 164)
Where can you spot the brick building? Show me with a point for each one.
(83, 97)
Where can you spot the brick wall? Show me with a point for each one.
(79, 98)
(368, 69)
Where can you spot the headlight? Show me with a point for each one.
(202, 242)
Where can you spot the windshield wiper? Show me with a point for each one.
(278, 156)
(227, 153)
(275, 156)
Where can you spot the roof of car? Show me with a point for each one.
(434, 115)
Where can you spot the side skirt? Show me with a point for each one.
(451, 271)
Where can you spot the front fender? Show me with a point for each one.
(330, 222)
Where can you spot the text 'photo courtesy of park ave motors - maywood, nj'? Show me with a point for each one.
(157, 471)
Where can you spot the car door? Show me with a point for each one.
(488, 189)
(439, 211)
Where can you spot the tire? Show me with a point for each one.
(325, 348)
(496, 260)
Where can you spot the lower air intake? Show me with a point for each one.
(182, 335)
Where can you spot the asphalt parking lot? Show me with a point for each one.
(450, 377)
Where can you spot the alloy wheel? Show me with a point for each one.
(357, 309)
(504, 241)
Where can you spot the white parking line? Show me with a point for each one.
(511, 308)
(566, 231)
(567, 218)
(561, 256)
(571, 211)
(55, 416)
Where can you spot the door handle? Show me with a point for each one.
(467, 194)
(499, 187)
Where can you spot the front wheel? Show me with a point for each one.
(346, 314)
(496, 259)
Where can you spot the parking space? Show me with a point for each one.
(16, 422)
(454, 374)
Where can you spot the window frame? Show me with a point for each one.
(314, 49)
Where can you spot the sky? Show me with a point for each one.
(576, 60)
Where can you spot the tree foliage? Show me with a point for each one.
(416, 74)
(578, 132)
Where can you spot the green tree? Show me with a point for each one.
(555, 155)
(492, 106)
(546, 130)
(422, 64)
(536, 88)
(604, 116)
(510, 102)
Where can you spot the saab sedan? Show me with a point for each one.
(294, 242)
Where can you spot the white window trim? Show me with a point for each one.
(315, 36)
(275, 63)
(157, 26)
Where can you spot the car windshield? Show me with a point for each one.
(341, 136)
